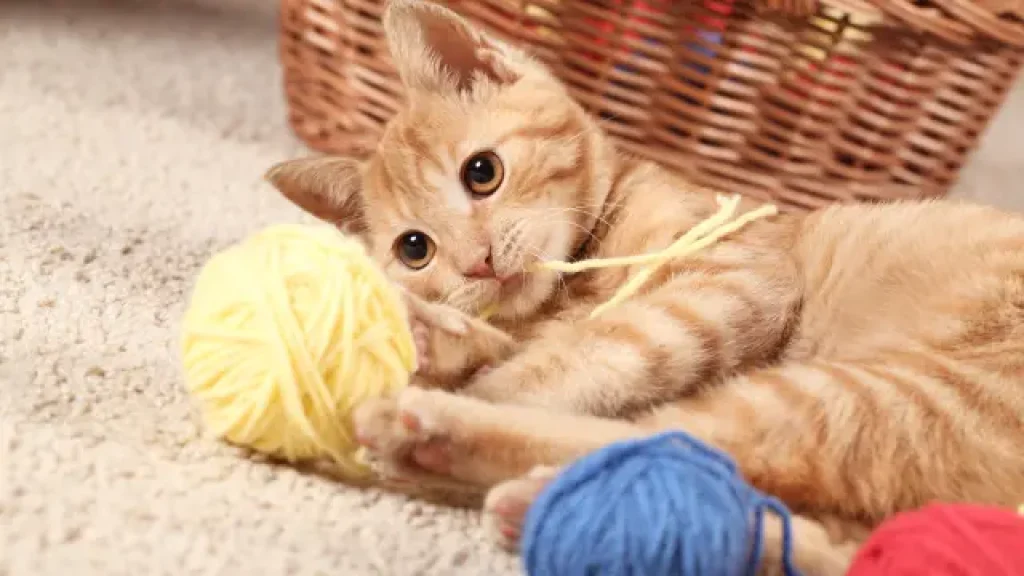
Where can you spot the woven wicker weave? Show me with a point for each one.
(795, 101)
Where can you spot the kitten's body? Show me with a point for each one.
(856, 361)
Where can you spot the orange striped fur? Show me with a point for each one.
(856, 361)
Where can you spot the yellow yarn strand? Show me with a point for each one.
(697, 238)
(285, 334)
(488, 312)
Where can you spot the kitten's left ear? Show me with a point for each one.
(435, 49)
(328, 187)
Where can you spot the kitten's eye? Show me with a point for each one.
(415, 249)
(482, 173)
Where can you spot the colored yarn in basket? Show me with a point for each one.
(659, 506)
(945, 540)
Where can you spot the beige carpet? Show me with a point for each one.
(132, 140)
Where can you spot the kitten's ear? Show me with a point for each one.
(327, 187)
(435, 49)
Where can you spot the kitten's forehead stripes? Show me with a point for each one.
(453, 153)
(420, 148)
(564, 129)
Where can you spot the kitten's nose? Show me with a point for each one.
(483, 268)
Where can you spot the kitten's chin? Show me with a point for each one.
(522, 296)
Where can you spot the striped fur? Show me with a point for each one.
(857, 361)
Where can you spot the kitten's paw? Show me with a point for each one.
(436, 316)
(433, 434)
(373, 421)
(507, 503)
(437, 330)
(424, 319)
(407, 437)
(421, 339)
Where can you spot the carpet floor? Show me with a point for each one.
(133, 137)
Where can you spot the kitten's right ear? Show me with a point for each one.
(327, 187)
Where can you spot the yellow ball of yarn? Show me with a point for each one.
(285, 333)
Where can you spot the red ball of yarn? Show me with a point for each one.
(945, 540)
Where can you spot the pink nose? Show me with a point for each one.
(483, 269)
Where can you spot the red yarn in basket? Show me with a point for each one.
(945, 540)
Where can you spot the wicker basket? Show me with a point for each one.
(798, 102)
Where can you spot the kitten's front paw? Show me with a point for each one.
(428, 322)
(407, 438)
(421, 338)
(433, 434)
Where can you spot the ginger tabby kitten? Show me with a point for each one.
(856, 361)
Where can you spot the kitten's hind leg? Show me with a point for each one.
(862, 439)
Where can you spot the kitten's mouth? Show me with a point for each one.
(502, 288)
(513, 282)
(512, 278)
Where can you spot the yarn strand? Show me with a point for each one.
(774, 505)
(726, 208)
(697, 238)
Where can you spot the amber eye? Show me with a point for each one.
(415, 249)
(482, 173)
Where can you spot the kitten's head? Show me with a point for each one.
(488, 169)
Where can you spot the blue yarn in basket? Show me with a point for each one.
(667, 505)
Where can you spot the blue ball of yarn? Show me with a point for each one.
(659, 506)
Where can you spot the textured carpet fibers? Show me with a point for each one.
(133, 136)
